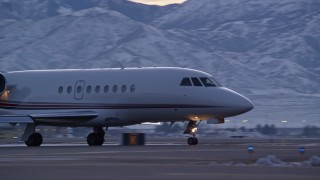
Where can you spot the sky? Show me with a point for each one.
(158, 2)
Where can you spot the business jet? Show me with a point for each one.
(102, 98)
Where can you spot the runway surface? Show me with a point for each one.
(168, 158)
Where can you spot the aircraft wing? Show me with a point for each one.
(57, 116)
(15, 119)
(70, 116)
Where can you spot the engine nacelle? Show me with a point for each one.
(3, 84)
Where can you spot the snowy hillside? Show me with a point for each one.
(275, 39)
(267, 50)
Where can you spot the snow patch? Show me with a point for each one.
(274, 161)
(64, 10)
(270, 160)
(315, 161)
(90, 11)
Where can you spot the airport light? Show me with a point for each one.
(301, 150)
(250, 149)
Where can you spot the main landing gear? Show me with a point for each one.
(30, 137)
(34, 139)
(97, 137)
(192, 130)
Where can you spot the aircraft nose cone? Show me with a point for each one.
(245, 105)
(237, 103)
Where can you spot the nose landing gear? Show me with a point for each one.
(192, 141)
(192, 130)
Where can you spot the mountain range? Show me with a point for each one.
(266, 50)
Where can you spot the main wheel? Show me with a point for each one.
(34, 139)
(95, 139)
(101, 140)
(92, 139)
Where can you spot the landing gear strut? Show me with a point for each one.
(192, 130)
(97, 137)
(30, 137)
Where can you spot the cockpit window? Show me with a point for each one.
(207, 82)
(215, 82)
(196, 81)
(185, 82)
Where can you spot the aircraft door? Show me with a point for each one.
(78, 90)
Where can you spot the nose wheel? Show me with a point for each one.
(192, 130)
(192, 141)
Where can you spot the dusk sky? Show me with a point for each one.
(159, 2)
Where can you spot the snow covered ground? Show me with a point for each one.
(272, 160)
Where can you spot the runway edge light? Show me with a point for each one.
(301, 150)
(250, 149)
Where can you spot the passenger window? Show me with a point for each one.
(69, 89)
(132, 88)
(196, 81)
(60, 90)
(97, 89)
(89, 89)
(106, 89)
(123, 88)
(207, 82)
(115, 88)
(185, 82)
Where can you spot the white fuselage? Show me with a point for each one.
(119, 96)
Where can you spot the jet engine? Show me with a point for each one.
(3, 83)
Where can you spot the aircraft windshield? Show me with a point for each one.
(207, 82)
(202, 81)
(215, 82)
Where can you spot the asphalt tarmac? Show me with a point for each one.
(161, 158)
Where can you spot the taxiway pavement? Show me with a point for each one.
(161, 158)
